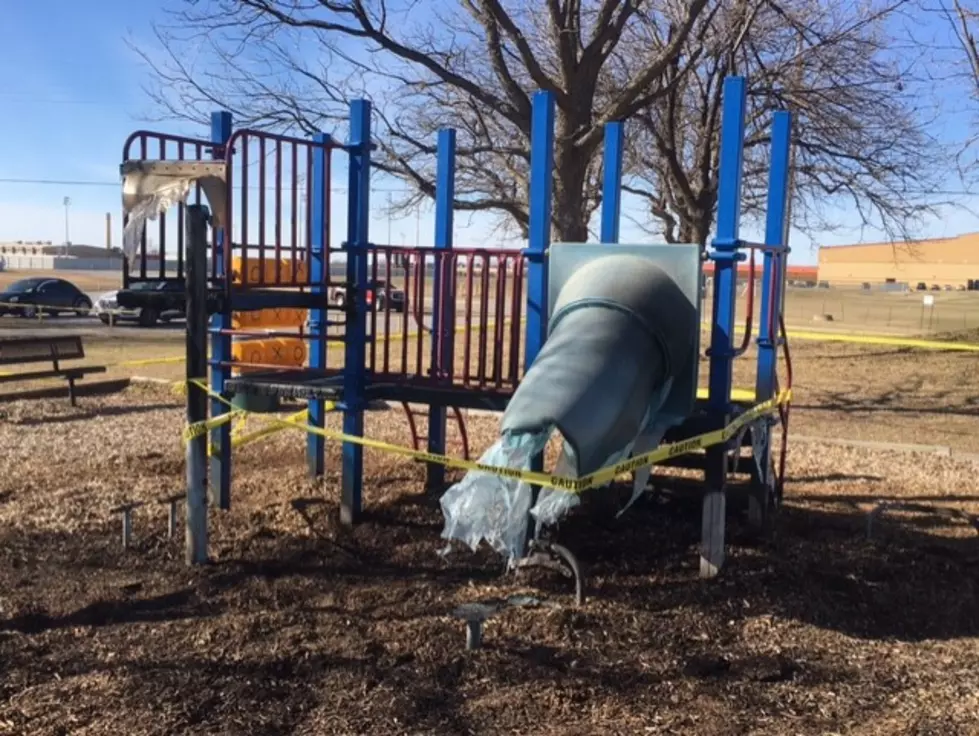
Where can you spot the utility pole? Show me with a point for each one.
(67, 204)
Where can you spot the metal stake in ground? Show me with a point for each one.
(196, 285)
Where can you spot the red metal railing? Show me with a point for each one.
(259, 163)
(479, 347)
(147, 145)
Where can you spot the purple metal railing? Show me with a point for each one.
(486, 288)
(258, 206)
(148, 145)
(255, 223)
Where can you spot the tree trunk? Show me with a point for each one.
(571, 214)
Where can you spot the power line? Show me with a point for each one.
(29, 99)
(117, 184)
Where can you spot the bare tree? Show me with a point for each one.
(962, 21)
(468, 64)
(861, 120)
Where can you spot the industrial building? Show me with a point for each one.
(942, 263)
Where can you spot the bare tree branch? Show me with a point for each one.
(861, 120)
(468, 64)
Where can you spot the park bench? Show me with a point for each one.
(56, 349)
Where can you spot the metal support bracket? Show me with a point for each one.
(551, 556)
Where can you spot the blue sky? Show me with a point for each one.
(70, 91)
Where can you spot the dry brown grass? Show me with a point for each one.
(302, 626)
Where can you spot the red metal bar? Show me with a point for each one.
(243, 137)
(784, 410)
(308, 252)
(142, 237)
(467, 330)
(137, 135)
(295, 210)
(261, 209)
(180, 219)
(404, 321)
(445, 262)
(278, 212)
(515, 313)
(161, 238)
(327, 219)
(420, 306)
(140, 140)
(229, 219)
(499, 326)
(483, 321)
(372, 363)
(387, 314)
(413, 428)
(748, 324)
(462, 432)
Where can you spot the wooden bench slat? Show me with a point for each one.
(63, 373)
(40, 349)
(53, 349)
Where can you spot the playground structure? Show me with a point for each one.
(253, 262)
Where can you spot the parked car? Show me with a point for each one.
(379, 292)
(173, 305)
(50, 296)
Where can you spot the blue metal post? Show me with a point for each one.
(354, 365)
(725, 256)
(539, 236)
(725, 245)
(612, 182)
(219, 489)
(773, 279)
(319, 271)
(443, 310)
(773, 274)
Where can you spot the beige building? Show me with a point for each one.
(951, 262)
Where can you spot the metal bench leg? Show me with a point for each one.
(71, 391)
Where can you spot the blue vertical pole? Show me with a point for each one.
(443, 309)
(773, 274)
(773, 279)
(219, 489)
(539, 235)
(725, 245)
(355, 352)
(319, 271)
(612, 182)
(725, 256)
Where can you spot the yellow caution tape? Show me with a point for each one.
(300, 416)
(151, 361)
(192, 431)
(546, 480)
(246, 439)
(899, 342)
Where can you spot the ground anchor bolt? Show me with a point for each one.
(474, 614)
(171, 502)
(126, 510)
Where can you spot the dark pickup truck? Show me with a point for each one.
(148, 302)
